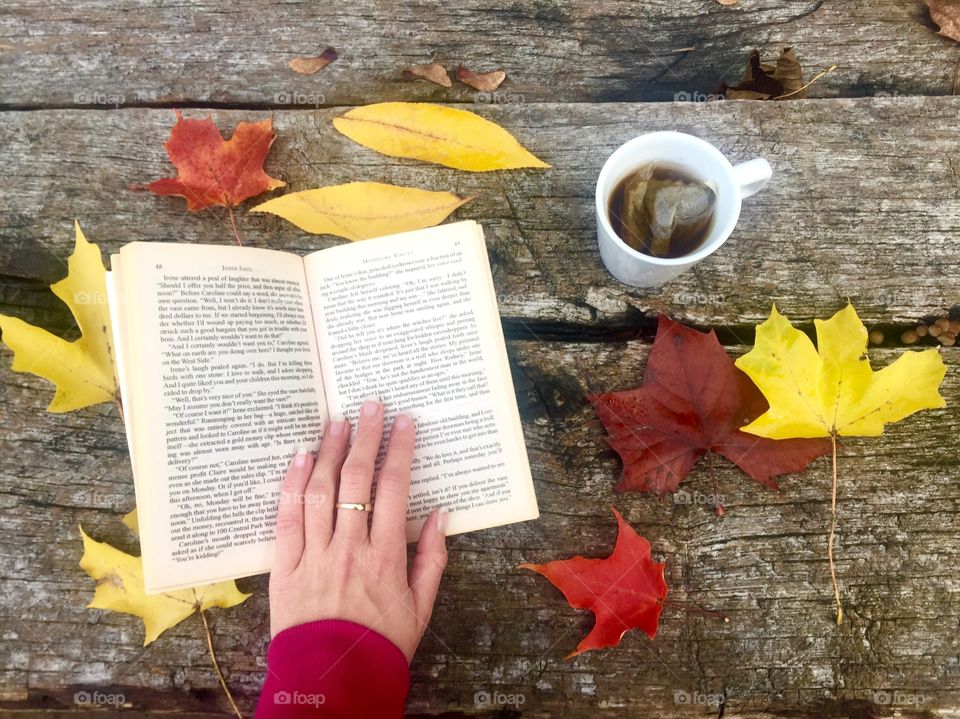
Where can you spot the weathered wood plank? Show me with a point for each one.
(64, 53)
(865, 205)
(497, 628)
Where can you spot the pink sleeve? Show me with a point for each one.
(333, 668)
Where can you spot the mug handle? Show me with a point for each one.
(752, 175)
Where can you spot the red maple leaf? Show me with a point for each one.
(213, 171)
(624, 591)
(693, 399)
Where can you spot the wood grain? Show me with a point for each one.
(500, 629)
(93, 53)
(864, 205)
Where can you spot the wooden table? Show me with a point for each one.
(864, 205)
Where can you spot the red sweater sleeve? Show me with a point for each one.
(333, 669)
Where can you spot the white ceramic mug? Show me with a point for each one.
(695, 157)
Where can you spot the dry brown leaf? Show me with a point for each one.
(727, 2)
(431, 71)
(946, 13)
(482, 81)
(310, 65)
(768, 82)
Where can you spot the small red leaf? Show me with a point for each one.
(213, 171)
(624, 591)
(693, 399)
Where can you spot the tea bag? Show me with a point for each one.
(663, 216)
(676, 212)
(633, 225)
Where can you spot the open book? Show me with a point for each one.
(231, 358)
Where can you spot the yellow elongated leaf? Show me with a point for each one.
(433, 133)
(119, 578)
(815, 392)
(361, 210)
(83, 369)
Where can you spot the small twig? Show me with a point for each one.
(833, 527)
(213, 656)
(956, 79)
(813, 80)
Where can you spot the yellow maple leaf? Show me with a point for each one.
(831, 389)
(434, 133)
(119, 578)
(361, 210)
(83, 369)
(132, 521)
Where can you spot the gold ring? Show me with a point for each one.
(359, 506)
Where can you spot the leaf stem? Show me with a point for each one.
(833, 528)
(216, 666)
(233, 223)
(812, 80)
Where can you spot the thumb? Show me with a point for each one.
(428, 564)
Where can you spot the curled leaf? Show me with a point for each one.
(434, 133)
(310, 65)
(768, 82)
(482, 81)
(119, 588)
(432, 72)
(361, 210)
(946, 13)
(83, 369)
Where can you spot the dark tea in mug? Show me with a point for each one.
(662, 210)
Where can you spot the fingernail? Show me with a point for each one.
(402, 421)
(335, 428)
(442, 517)
(370, 407)
(300, 459)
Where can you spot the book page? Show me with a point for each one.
(412, 319)
(221, 386)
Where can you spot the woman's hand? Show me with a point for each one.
(328, 564)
